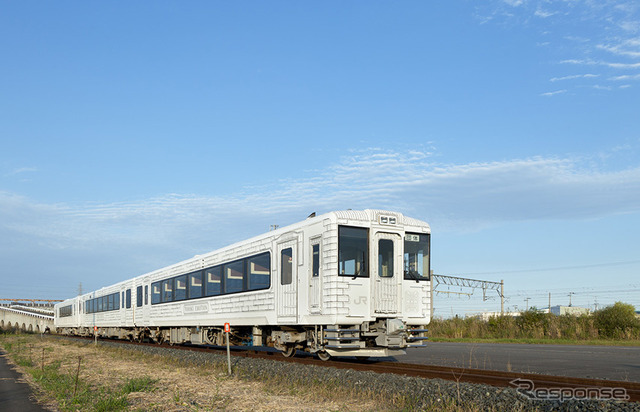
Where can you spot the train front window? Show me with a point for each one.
(416, 256)
(353, 251)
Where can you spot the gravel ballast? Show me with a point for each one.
(418, 393)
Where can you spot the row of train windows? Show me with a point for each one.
(252, 273)
(112, 301)
(65, 311)
(106, 303)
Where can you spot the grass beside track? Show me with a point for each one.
(72, 375)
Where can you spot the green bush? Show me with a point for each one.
(618, 321)
(615, 322)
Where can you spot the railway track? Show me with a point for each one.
(534, 384)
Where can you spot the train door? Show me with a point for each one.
(315, 277)
(386, 273)
(287, 295)
(145, 304)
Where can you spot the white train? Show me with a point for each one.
(346, 283)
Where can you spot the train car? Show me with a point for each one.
(345, 283)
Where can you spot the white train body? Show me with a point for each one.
(341, 284)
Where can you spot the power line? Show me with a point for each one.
(551, 269)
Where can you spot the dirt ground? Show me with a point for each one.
(179, 387)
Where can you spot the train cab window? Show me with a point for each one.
(315, 267)
(214, 281)
(156, 296)
(180, 292)
(234, 276)
(128, 298)
(167, 290)
(259, 268)
(195, 285)
(353, 251)
(385, 258)
(286, 266)
(139, 296)
(416, 256)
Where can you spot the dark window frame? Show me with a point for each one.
(365, 271)
(205, 280)
(286, 277)
(426, 276)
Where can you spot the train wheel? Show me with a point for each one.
(323, 355)
(289, 351)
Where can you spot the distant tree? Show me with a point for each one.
(616, 321)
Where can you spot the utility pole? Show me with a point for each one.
(549, 302)
(501, 296)
(527, 300)
(570, 293)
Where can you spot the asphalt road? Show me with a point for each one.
(599, 362)
(15, 394)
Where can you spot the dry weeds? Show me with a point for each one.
(179, 387)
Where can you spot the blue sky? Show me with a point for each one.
(136, 135)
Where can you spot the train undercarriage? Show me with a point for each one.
(384, 337)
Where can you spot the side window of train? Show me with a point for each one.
(167, 290)
(139, 296)
(146, 294)
(123, 299)
(214, 280)
(315, 267)
(128, 297)
(156, 295)
(234, 276)
(286, 266)
(195, 285)
(181, 288)
(259, 268)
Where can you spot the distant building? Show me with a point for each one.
(569, 310)
(485, 316)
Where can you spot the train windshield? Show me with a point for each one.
(353, 251)
(416, 256)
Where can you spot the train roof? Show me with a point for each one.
(342, 216)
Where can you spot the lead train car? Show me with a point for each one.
(346, 283)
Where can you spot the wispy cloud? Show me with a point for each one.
(554, 93)
(625, 77)
(520, 189)
(21, 171)
(613, 65)
(595, 34)
(574, 76)
(99, 241)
